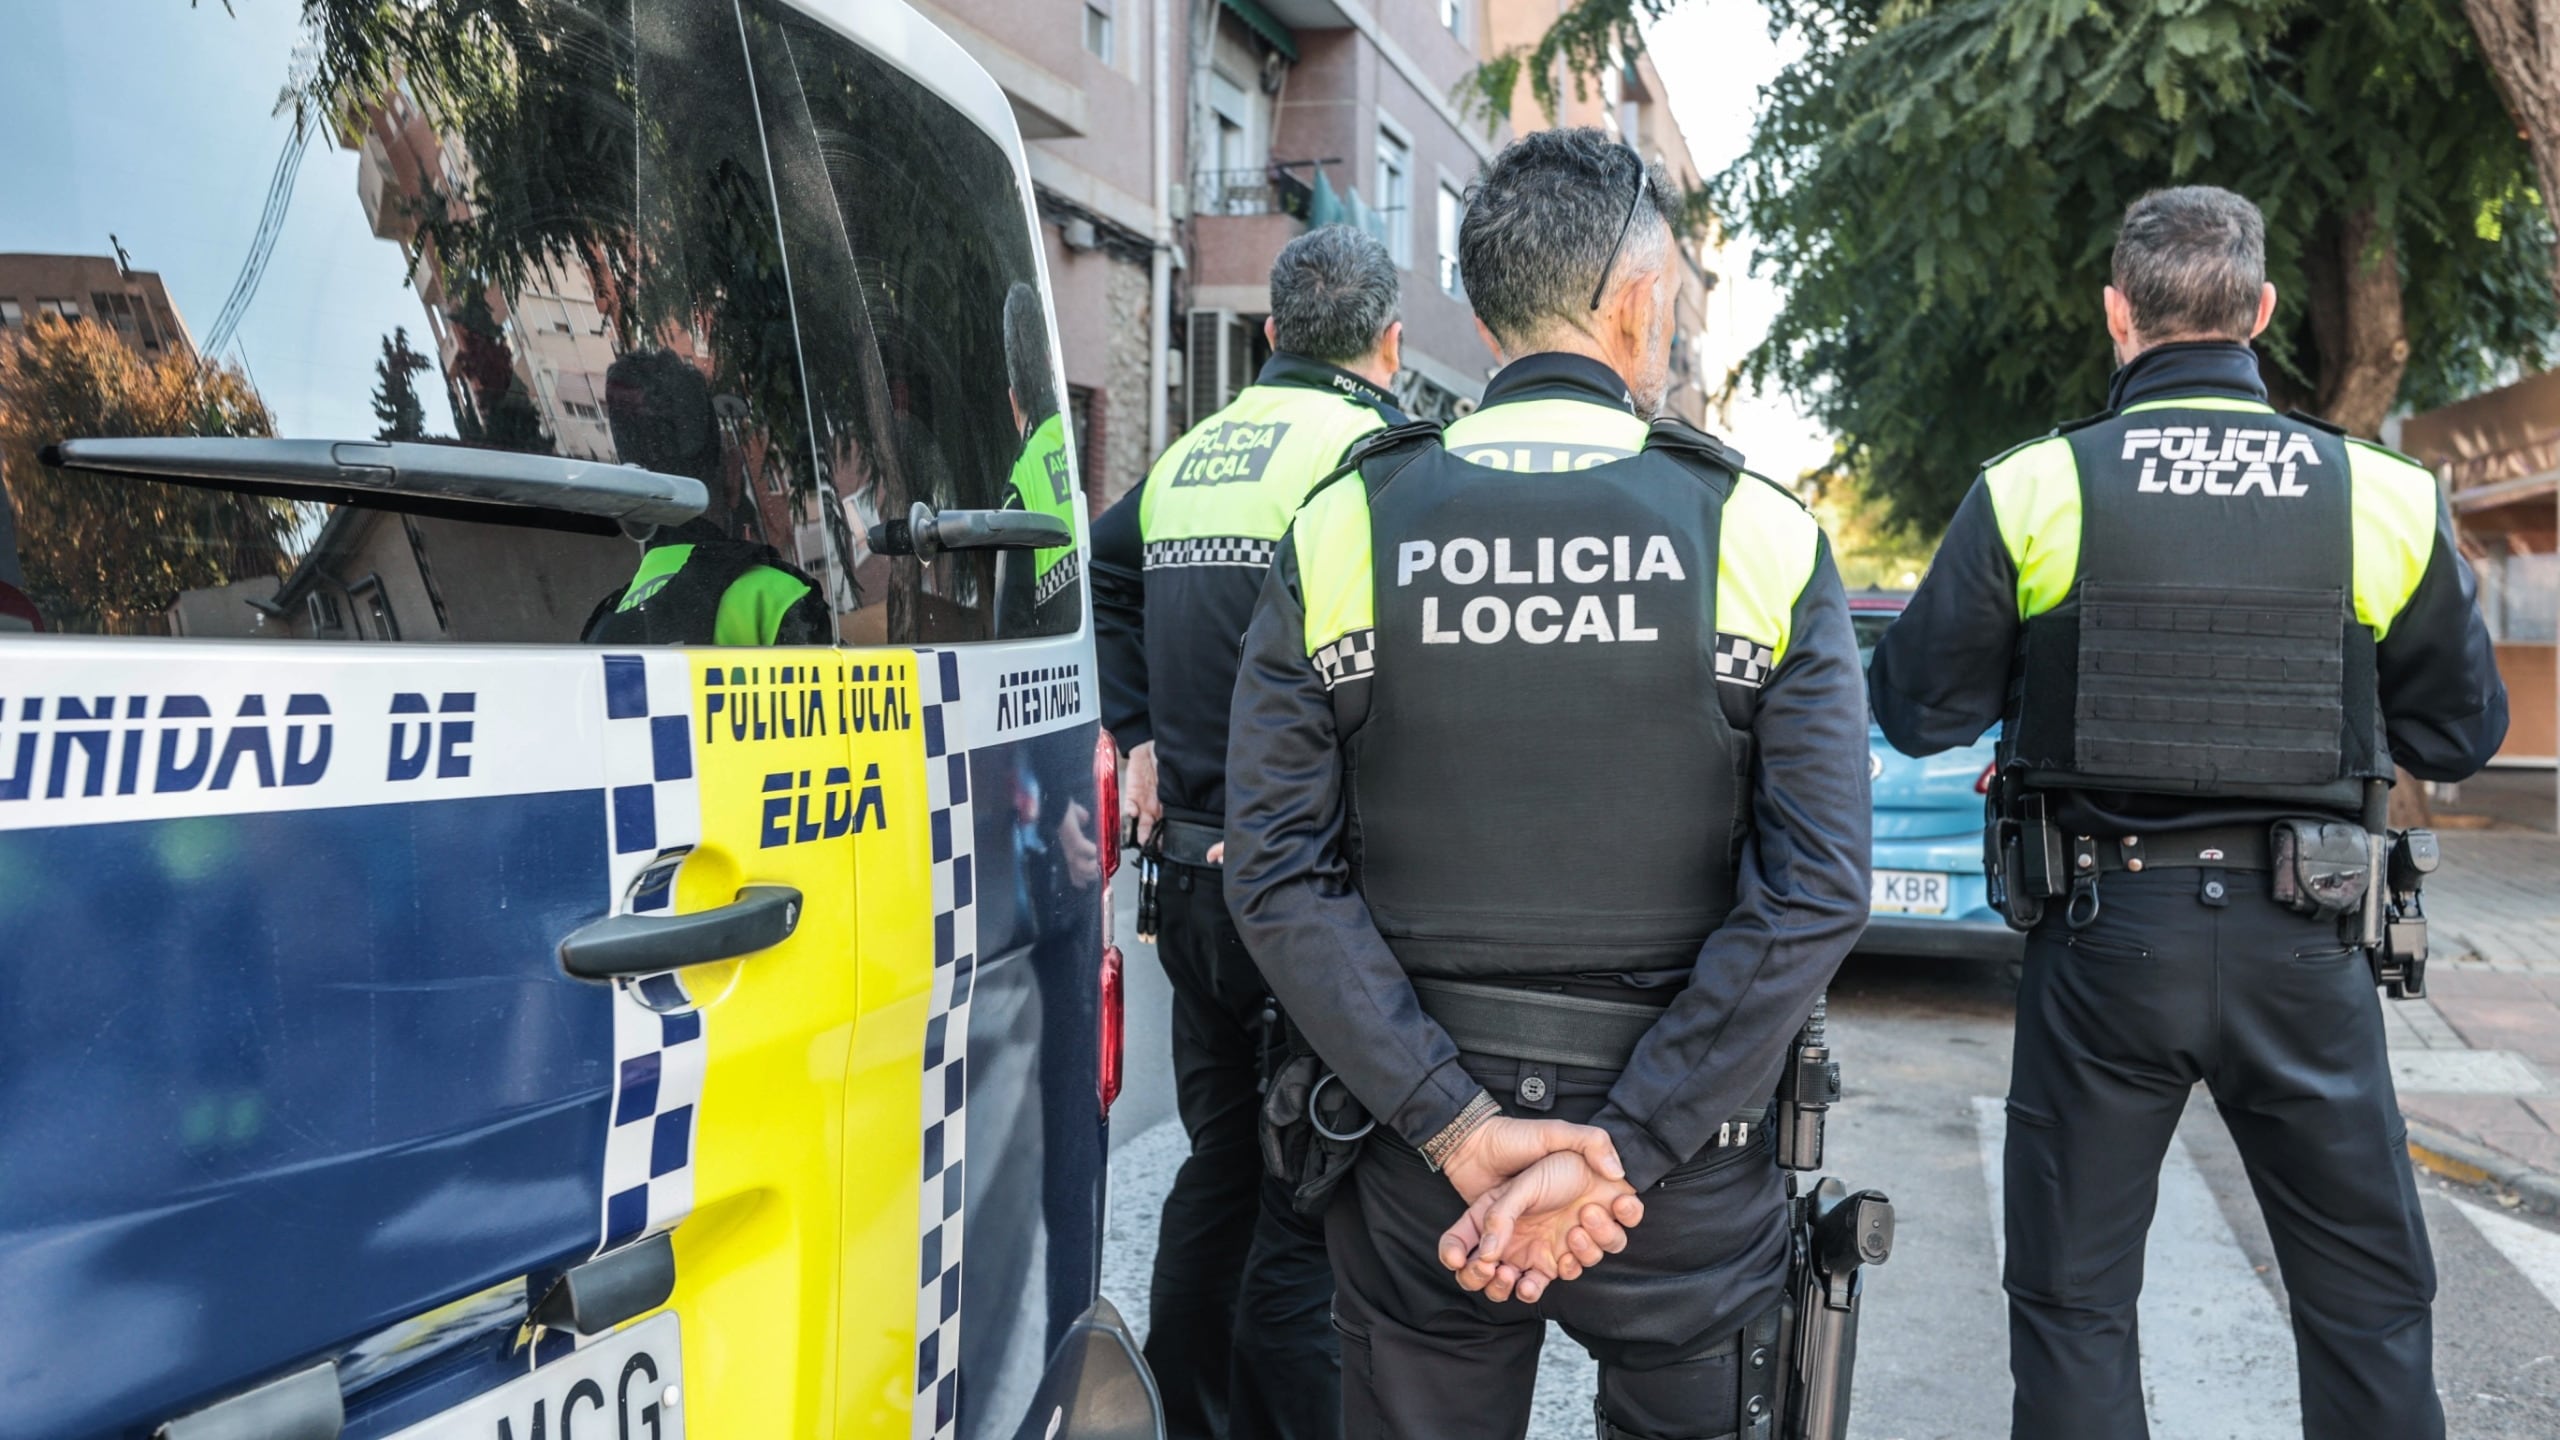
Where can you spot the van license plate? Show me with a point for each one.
(1909, 892)
(625, 1384)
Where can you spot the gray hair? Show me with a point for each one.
(1541, 219)
(1026, 353)
(2192, 261)
(1333, 293)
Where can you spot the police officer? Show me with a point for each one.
(1041, 480)
(1547, 820)
(2196, 620)
(697, 583)
(1238, 1337)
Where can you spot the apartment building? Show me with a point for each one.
(1090, 82)
(133, 303)
(545, 341)
(1631, 103)
(1346, 107)
(1176, 145)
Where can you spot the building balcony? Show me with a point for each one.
(1239, 193)
(1240, 219)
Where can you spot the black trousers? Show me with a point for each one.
(1237, 1333)
(1425, 1360)
(2174, 983)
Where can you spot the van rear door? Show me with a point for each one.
(918, 271)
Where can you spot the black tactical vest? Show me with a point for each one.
(1546, 781)
(685, 610)
(2209, 644)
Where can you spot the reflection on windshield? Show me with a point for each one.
(537, 225)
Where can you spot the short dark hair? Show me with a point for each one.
(1541, 219)
(1333, 293)
(1026, 353)
(2192, 261)
(658, 409)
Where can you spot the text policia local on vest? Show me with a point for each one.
(1539, 619)
(2234, 462)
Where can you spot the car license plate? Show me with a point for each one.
(625, 1384)
(1909, 892)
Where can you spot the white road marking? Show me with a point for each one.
(1991, 1121)
(2534, 1251)
(2463, 1072)
(2217, 1351)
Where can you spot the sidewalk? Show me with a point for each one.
(2477, 1063)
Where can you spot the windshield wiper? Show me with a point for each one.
(465, 483)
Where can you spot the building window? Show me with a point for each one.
(1395, 194)
(1453, 17)
(326, 618)
(374, 607)
(1235, 183)
(11, 317)
(1452, 210)
(1097, 28)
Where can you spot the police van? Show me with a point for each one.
(553, 832)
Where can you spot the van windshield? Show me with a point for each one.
(539, 225)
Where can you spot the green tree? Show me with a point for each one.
(500, 412)
(395, 391)
(1936, 186)
(107, 552)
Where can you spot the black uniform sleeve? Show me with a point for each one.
(1120, 619)
(1289, 883)
(1940, 676)
(2442, 701)
(1801, 903)
(807, 622)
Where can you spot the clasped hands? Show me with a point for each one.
(1546, 1200)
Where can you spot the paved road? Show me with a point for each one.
(1926, 1049)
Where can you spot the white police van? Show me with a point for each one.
(552, 826)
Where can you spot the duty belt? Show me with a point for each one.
(1541, 1027)
(1188, 844)
(2222, 847)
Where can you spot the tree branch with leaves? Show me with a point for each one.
(1936, 184)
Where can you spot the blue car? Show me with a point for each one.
(1929, 896)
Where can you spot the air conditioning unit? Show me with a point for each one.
(1218, 361)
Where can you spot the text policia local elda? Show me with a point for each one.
(1540, 618)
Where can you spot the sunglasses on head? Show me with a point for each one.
(1644, 183)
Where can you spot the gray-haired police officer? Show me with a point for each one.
(2208, 630)
(1238, 1336)
(1547, 803)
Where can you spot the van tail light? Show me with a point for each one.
(1106, 801)
(1113, 1027)
(1982, 782)
(1106, 832)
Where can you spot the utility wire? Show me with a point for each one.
(262, 246)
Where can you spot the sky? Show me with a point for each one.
(1714, 55)
(155, 122)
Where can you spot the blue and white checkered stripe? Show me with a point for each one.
(654, 820)
(942, 1197)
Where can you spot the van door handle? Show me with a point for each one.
(762, 917)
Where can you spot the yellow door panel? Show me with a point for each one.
(759, 1265)
(895, 938)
